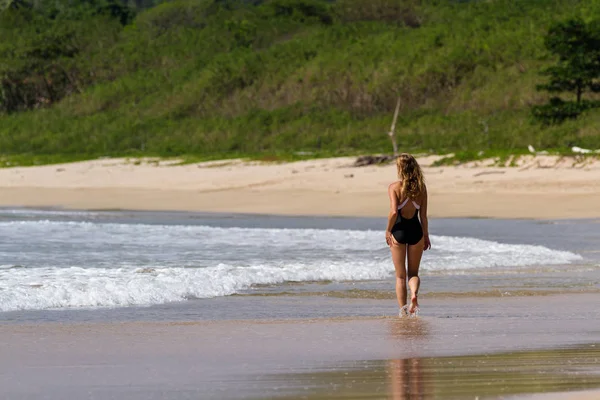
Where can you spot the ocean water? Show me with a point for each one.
(68, 260)
(275, 307)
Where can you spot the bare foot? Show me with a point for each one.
(403, 311)
(414, 306)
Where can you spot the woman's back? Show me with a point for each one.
(407, 207)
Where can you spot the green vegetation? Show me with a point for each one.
(577, 46)
(276, 77)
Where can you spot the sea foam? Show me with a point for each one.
(53, 264)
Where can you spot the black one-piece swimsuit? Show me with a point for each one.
(407, 230)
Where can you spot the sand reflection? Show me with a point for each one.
(407, 376)
(407, 379)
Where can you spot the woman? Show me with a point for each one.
(405, 234)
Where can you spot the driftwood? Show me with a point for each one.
(373, 160)
(383, 159)
(392, 132)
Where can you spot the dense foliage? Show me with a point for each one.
(577, 46)
(220, 77)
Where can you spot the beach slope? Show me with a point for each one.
(542, 187)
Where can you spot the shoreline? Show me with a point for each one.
(520, 346)
(224, 214)
(305, 204)
(261, 346)
(538, 187)
(308, 204)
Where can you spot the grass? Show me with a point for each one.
(506, 158)
(183, 81)
(28, 160)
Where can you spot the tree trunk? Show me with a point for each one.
(392, 132)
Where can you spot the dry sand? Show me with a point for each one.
(544, 187)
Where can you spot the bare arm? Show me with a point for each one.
(393, 215)
(425, 221)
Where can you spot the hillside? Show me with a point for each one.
(220, 78)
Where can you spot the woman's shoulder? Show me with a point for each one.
(396, 185)
(395, 189)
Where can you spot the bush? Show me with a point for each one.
(402, 12)
(174, 15)
(302, 10)
(210, 77)
(558, 111)
(44, 51)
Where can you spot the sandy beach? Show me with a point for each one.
(175, 305)
(445, 354)
(540, 187)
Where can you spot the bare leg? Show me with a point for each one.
(414, 254)
(399, 259)
(416, 382)
(399, 374)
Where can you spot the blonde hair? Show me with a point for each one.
(409, 172)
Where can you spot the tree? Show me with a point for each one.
(33, 59)
(577, 71)
(44, 46)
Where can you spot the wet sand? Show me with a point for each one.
(572, 395)
(507, 375)
(457, 348)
